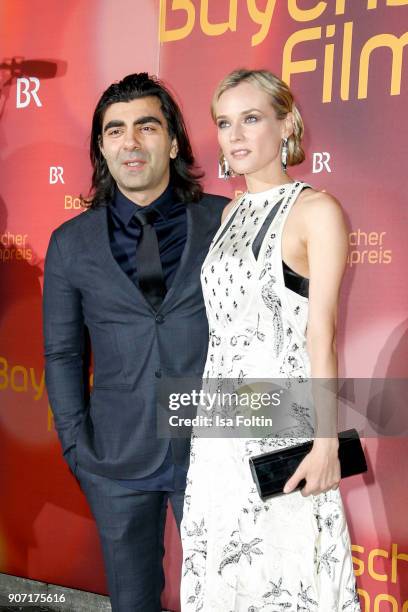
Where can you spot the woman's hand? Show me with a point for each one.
(320, 468)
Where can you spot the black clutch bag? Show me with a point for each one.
(271, 471)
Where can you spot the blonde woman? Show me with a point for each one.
(271, 282)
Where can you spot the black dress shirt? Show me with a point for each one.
(124, 233)
(170, 226)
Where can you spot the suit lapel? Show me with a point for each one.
(196, 244)
(97, 238)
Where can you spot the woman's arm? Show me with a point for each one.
(326, 241)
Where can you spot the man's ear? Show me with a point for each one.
(174, 149)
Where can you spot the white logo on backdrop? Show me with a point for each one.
(27, 89)
(56, 173)
(321, 162)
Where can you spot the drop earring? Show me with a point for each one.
(226, 169)
(284, 154)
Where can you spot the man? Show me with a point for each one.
(128, 270)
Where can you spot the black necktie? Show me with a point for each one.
(149, 268)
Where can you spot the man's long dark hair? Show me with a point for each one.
(184, 175)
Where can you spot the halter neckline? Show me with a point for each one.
(252, 194)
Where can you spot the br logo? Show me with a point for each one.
(56, 173)
(27, 89)
(321, 162)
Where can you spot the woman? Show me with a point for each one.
(271, 282)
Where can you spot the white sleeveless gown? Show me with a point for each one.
(241, 554)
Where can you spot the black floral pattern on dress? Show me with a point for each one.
(276, 591)
(189, 565)
(326, 561)
(353, 603)
(196, 599)
(272, 301)
(306, 603)
(255, 507)
(255, 331)
(328, 522)
(236, 550)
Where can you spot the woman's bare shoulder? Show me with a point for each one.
(320, 206)
(314, 199)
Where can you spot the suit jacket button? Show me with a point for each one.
(158, 373)
(159, 318)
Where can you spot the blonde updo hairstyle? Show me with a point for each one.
(281, 99)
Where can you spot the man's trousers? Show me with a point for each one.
(131, 528)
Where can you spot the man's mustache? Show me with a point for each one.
(139, 157)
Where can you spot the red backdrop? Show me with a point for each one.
(346, 63)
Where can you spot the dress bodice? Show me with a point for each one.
(260, 323)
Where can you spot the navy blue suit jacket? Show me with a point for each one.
(114, 433)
